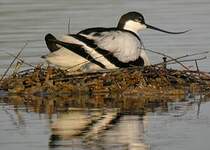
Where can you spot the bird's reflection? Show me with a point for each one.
(99, 129)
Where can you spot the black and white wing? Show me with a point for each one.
(122, 48)
(106, 47)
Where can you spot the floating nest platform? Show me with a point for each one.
(129, 81)
(133, 90)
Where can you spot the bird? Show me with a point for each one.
(103, 48)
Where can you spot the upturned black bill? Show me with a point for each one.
(161, 30)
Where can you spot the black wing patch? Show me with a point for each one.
(78, 49)
(114, 60)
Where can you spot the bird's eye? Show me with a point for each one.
(137, 20)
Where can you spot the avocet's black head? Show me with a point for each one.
(134, 21)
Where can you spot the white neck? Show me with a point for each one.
(134, 26)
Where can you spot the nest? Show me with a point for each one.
(134, 80)
(134, 90)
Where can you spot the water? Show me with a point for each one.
(32, 123)
(104, 122)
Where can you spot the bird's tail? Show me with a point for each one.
(51, 44)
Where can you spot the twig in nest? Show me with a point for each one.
(69, 26)
(189, 60)
(198, 70)
(176, 59)
(21, 60)
(5, 73)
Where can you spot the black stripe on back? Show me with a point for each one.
(99, 30)
(114, 60)
(78, 49)
(108, 55)
(96, 30)
(85, 40)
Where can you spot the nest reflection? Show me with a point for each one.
(98, 120)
